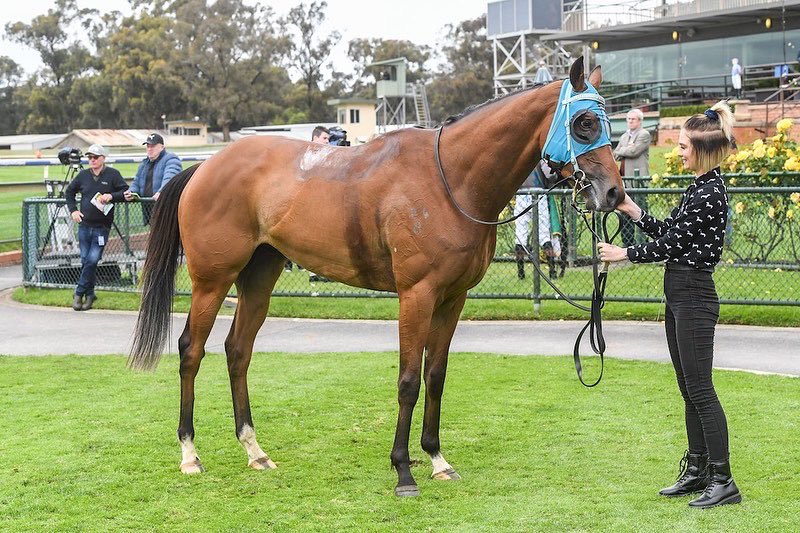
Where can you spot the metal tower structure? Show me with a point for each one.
(392, 90)
(516, 28)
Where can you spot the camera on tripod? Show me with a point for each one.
(70, 156)
(338, 136)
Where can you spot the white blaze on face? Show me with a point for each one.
(439, 464)
(248, 439)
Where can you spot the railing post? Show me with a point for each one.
(537, 282)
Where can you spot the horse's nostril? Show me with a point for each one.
(614, 196)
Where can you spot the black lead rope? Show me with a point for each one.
(595, 323)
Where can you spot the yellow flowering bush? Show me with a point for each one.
(775, 154)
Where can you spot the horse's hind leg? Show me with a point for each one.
(437, 349)
(254, 287)
(206, 300)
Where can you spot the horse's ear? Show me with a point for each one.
(596, 77)
(576, 77)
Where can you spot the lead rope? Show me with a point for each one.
(599, 278)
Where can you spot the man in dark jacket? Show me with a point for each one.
(154, 172)
(100, 187)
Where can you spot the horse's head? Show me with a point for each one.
(578, 143)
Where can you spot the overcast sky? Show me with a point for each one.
(419, 21)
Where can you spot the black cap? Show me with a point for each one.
(154, 138)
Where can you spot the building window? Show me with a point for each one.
(342, 116)
(354, 116)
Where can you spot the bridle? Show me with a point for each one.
(558, 156)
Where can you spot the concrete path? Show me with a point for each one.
(33, 330)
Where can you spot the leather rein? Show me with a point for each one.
(595, 322)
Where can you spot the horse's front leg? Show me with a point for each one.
(443, 325)
(416, 308)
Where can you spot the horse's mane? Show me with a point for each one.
(475, 107)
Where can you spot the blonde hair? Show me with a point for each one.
(711, 135)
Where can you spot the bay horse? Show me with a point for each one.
(376, 216)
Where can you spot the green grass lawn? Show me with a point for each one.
(11, 214)
(87, 445)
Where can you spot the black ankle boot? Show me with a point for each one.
(693, 476)
(721, 490)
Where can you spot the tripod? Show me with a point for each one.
(55, 189)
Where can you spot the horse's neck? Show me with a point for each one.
(489, 153)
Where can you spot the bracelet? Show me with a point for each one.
(641, 215)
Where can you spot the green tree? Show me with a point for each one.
(466, 76)
(10, 76)
(309, 54)
(141, 61)
(51, 102)
(229, 53)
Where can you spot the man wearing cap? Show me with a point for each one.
(100, 187)
(154, 172)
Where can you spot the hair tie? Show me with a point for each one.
(710, 113)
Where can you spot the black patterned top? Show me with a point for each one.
(694, 232)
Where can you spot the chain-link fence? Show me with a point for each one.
(760, 263)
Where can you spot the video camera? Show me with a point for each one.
(338, 137)
(70, 156)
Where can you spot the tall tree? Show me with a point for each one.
(466, 76)
(229, 54)
(141, 58)
(310, 53)
(10, 76)
(64, 58)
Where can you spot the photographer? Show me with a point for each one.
(100, 186)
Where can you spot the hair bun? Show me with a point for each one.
(710, 113)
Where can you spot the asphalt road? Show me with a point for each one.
(34, 330)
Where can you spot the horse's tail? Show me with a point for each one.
(158, 276)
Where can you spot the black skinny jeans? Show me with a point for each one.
(692, 313)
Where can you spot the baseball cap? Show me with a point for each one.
(154, 138)
(96, 149)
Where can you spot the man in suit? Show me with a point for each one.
(633, 152)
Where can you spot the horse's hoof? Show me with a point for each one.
(193, 467)
(406, 490)
(262, 463)
(446, 475)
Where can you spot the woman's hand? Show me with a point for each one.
(629, 207)
(610, 253)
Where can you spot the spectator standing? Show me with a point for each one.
(736, 77)
(633, 153)
(549, 228)
(154, 172)
(100, 187)
(542, 74)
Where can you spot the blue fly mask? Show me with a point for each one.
(571, 133)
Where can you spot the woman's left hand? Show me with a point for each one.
(610, 253)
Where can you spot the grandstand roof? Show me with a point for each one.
(692, 27)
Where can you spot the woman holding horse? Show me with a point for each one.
(690, 240)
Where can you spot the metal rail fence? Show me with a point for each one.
(760, 264)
